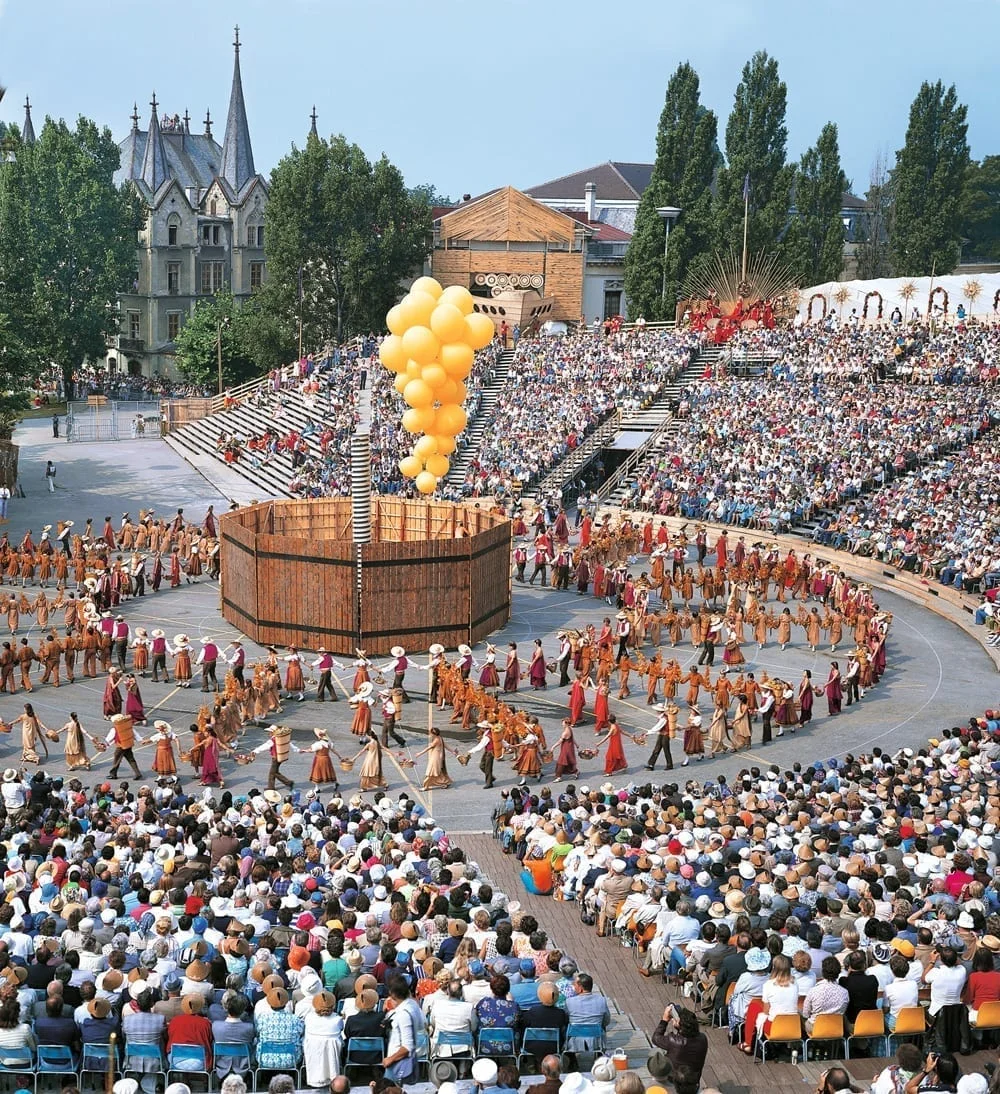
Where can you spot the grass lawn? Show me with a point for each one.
(44, 411)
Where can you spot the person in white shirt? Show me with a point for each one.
(900, 992)
(449, 1012)
(946, 978)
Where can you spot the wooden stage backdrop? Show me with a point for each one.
(290, 573)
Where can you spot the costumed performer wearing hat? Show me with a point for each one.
(399, 664)
(123, 736)
(322, 770)
(278, 744)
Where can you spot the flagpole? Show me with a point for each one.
(746, 217)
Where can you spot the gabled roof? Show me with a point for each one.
(615, 181)
(601, 231)
(191, 158)
(507, 214)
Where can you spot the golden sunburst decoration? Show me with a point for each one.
(721, 277)
(842, 295)
(972, 290)
(907, 291)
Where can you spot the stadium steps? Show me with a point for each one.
(474, 433)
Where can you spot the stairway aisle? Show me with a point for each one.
(474, 433)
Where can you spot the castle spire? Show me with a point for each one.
(154, 159)
(208, 123)
(237, 155)
(135, 117)
(313, 132)
(27, 130)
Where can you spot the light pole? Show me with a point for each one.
(668, 214)
(218, 347)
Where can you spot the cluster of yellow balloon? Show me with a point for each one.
(434, 334)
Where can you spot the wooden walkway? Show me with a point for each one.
(637, 1003)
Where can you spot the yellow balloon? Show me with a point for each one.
(426, 483)
(438, 465)
(456, 358)
(448, 323)
(392, 354)
(400, 382)
(428, 285)
(413, 371)
(417, 308)
(421, 345)
(410, 467)
(451, 420)
(460, 297)
(461, 393)
(394, 320)
(445, 445)
(422, 420)
(418, 394)
(479, 330)
(434, 375)
(448, 391)
(426, 446)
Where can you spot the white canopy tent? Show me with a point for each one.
(949, 292)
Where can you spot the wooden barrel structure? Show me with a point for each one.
(290, 574)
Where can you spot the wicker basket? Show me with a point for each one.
(640, 738)
(244, 758)
(101, 746)
(52, 734)
(463, 758)
(4, 727)
(186, 757)
(546, 755)
(346, 765)
(405, 761)
(586, 753)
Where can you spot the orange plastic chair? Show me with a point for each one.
(869, 1024)
(786, 1029)
(987, 1017)
(718, 1019)
(910, 1022)
(827, 1027)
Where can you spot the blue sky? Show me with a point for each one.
(437, 87)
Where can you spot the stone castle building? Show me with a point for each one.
(204, 231)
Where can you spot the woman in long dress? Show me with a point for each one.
(536, 668)
(181, 651)
(322, 771)
(361, 667)
(784, 628)
(529, 762)
(784, 708)
(75, 747)
(741, 723)
(140, 651)
(834, 691)
(362, 702)
(577, 700)
(321, 1041)
(211, 749)
(112, 701)
(718, 731)
(602, 712)
(489, 678)
(614, 758)
(566, 761)
(31, 734)
(436, 776)
(512, 669)
(294, 682)
(133, 701)
(371, 770)
(732, 654)
(164, 737)
(694, 739)
(806, 695)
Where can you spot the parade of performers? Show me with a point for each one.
(667, 605)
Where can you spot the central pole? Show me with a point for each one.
(746, 218)
(361, 495)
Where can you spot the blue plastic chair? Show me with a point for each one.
(146, 1050)
(56, 1060)
(363, 1045)
(188, 1060)
(422, 1053)
(592, 1033)
(238, 1052)
(539, 1037)
(20, 1062)
(289, 1050)
(461, 1044)
(497, 1041)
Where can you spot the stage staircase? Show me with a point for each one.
(473, 436)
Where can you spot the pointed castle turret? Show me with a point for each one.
(154, 159)
(237, 154)
(27, 130)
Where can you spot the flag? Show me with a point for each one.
(746, 187)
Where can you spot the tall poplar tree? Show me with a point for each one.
(815, 243)
(686, 159)
(929, 183)
(756, 140)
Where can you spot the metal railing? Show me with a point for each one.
(112, 421)
(584, 452)
(635, 457)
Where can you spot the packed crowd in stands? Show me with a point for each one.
(939, 522)
(859, 888)
(269, 934)
(956, 354)
(559, 389)
(765, 453)
(89, 380)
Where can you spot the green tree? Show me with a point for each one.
(756, 139)
(929, 181)
(197, 343)
(429, 194)
(687, 156)
(981, 217)
(80, 242)
(351, 229)
(814, 246)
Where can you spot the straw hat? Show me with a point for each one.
(277, 998)
(99, 1008)
(324, 1004)
(464, 650)
(272, 797)
(197, 970)
(157, 633)
(436, 649)
(181, 640)
(192, 1004)
(397, 651)
(366, 689)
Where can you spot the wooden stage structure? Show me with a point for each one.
(292, 575)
